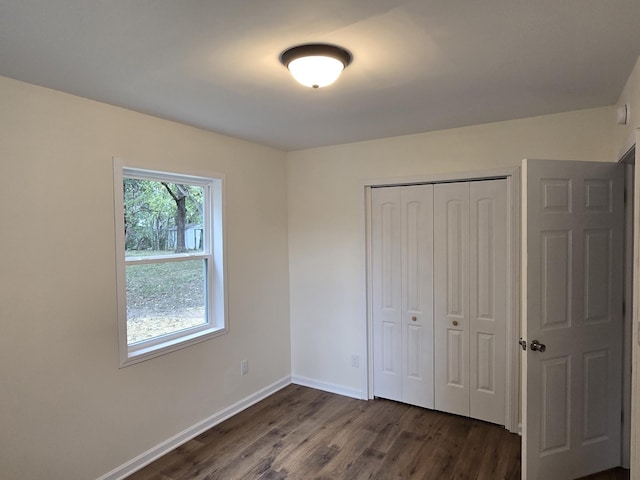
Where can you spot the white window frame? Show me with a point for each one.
(213, 254)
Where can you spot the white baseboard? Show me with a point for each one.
(328, 387)
(156, 452)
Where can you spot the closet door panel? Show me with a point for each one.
(386, 260)
(417, 294)
(438, 296)
(451, 297)
(487, 294)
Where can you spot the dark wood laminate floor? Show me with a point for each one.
(303, 434)
(615, 474)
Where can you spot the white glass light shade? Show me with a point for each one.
(316, 64)
(316, 71)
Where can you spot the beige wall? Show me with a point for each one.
(625, 135)
(326, 225)
(66, 410)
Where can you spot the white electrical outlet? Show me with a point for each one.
(244, 367)
(355, 361)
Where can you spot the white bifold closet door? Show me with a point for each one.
(402, 293)
(470, 302)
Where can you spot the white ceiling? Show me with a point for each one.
(418, 65)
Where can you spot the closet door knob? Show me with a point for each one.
(414, 318)
(455, 323)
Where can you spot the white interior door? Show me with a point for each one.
(572, 305)
(488, 300)
(386, 277)
(417, 295)
(471, 298)
(451, 298)
(402, 293)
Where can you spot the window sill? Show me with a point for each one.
(140, 353)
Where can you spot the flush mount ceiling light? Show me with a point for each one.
(315, 65)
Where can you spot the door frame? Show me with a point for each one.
(628, 160)
(635, 343)
(512, 421)
(630, 457)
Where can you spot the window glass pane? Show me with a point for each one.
(164, 298)
(162, 218)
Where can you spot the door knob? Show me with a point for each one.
(536, 346)
(414, 318)
(455, 323)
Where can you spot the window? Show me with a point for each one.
(170, 261)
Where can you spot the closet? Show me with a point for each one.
(439, 296)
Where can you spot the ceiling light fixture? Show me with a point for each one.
(315, 65)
